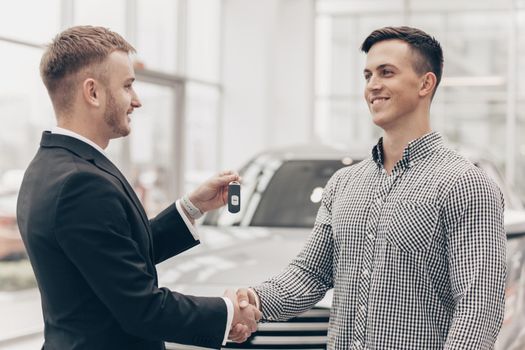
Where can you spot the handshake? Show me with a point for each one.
(246, 314)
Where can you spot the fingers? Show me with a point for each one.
(239, 333)
(258, 314)
(226, 177)
(251, 319)
(226, 172)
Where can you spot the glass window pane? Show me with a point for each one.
(157, 34)
(110, 14)
(204, 34)
(519, 175)
(24, 105)
(345, 122)
(26, 111)
(341, 113)
(34, 21)
(358, 6)
(201, 130)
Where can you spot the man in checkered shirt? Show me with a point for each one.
(410, 239)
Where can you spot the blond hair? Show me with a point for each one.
(72, 51)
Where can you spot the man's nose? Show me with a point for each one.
(135, 101)
(374, 83)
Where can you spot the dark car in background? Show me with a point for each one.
(280, 194)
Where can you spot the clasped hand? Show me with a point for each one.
(246, 315)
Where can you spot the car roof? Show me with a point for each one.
(312, 151)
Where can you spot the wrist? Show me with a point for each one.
(256, 298)
(189, 207)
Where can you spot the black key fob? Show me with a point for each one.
(234, 197)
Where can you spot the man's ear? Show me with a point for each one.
(91, 92)
(428, 84)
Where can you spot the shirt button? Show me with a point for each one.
(371, 236)
(357, 344)
(365, 272)
(363, 308)
(379, 201)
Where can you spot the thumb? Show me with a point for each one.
(242, 298)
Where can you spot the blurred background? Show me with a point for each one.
(221, 80)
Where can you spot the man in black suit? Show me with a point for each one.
(90, 243)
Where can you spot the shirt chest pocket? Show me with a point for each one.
(412, 226)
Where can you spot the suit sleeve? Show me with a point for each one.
(171, 235)
(92, 228)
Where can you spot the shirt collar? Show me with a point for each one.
(67, 132)
(416, 149)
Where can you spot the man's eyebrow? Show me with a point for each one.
(130, 80)
(385, 65)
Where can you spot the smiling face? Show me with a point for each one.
(121, 99)
(393, 88)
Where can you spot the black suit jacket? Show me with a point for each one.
(94, 252)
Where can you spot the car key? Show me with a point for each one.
(234, 197)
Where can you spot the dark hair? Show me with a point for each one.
(71, 51)
(428, 50)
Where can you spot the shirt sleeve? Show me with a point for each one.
(309, 276)
(473, 217)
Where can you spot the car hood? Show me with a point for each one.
(231, 257)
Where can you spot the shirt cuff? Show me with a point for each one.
(229, 306)
(187, 221)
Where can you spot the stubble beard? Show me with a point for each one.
(112, 119)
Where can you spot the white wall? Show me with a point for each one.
(268, 73)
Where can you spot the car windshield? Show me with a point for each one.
(279, 193)
(294, 193)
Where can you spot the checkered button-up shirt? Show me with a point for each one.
(416, 258)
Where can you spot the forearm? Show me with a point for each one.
(479, 310)
(179, 318)
(290, 293)
(476, 324)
